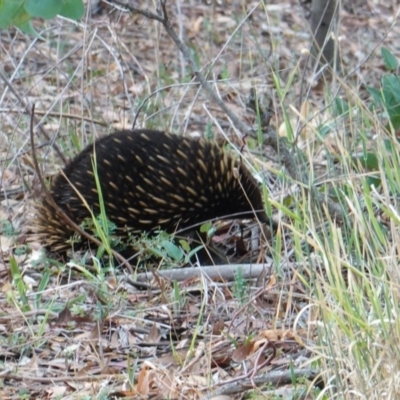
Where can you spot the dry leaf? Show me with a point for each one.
(154, 335)
(145, 380)
(242, 352)
(218, 327)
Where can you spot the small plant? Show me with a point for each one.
(240, 288)
(7, 228)
(20, 301)
(388, 96)
(385, 102)
(131, 371)
(164, 246)
(179, 298)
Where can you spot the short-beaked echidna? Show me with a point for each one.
(149, 181)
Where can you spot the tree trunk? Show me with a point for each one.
(324, 15)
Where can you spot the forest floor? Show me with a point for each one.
(71, 331)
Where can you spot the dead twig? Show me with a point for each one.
(56, 114)
(270, 136)
(166, 22)
(27, 107)
(272, 378)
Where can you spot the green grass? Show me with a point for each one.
(351, 269)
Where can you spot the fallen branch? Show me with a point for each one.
(225, 272)
(272, 378)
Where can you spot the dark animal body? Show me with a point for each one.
(149, 180)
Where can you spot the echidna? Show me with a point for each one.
(149, 181)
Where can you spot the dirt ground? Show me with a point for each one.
(65, 334)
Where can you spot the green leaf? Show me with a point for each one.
(27, 28)
(371, 180)
(19, 284)
(194, 251)
(391, 98)
(341, 107)
(72, 9)
(42, 286)
(369, 161)
(12, 12)
(375, 94)
(173, 250)
(389, 145)
(206, 227)
(43, 8)
(185, 245)
(391, 84)
(389, 59)
(395, 120)
(324, 129)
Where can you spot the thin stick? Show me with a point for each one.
(57, 114)
(26, 106)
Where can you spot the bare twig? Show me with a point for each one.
(56, 114)
(166, 22)
(7, 374)
(27, 107)
(272, 378)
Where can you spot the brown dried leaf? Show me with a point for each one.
(58, 391)
(95, 334)
(8, 178)
(218, 327)
(145, 380)
(242, 352)
(277, 335)
(114, 342)
(195, 26)
(154, 335)
(64, 317)
(166, 383)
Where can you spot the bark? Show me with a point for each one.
(324, 16)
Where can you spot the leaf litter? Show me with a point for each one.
(74, 338)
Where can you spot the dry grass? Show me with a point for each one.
(330, 305)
